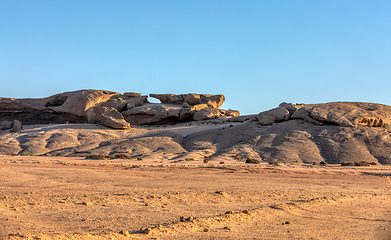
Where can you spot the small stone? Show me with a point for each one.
(220, 192)
(145, 230)
(206, 229)
(246, 212)
(124, 233)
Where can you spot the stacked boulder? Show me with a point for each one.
(112, 109)
(176, 108)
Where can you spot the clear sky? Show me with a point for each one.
(258, 53)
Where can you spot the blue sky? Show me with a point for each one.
(257, 53)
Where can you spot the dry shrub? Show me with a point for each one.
(97, 157)
(252, 160)
(364, 164)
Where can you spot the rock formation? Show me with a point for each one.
(112, 109)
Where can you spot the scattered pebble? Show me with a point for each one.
(86, 203)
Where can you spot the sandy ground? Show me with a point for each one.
(74, 198)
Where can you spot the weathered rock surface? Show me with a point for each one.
(110, 117)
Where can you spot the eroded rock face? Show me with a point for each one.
(373, 122)
(110, 117)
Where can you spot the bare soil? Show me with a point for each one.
(74, 198)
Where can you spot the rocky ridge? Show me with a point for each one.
(328, 133)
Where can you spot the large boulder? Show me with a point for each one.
(278, 114)
(16, 126)
(4, 125)
(207, 113)
(232, 113)
(304, 114)
(154, 113)
(188, 112)
(214, 101)
(110, 117)
(81, 102)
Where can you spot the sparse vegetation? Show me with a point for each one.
(97, 157)
(122, 156)
(364, 164)
(323, 163)
(206, 159)
(360, 164)
(252, 160)
(222, 162)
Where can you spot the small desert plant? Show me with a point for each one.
(323, 163)
(206, 159)
(252, 160)
(347, 164)
(139, 159)
(222, 162)
(97, 157)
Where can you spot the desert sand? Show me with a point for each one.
(75, 198)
